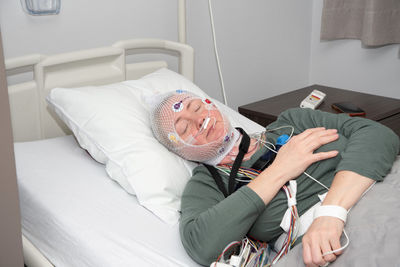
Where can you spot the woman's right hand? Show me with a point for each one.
(298, 153)
(292, 160)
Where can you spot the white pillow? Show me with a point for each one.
(112, 123)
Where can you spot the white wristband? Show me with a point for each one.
(332, 211)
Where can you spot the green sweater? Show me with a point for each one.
(209, 221)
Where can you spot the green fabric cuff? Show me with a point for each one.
(361, 171)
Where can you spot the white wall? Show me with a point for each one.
(347, 64)
(264, 45)
(85, 24)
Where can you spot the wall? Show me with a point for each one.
(347, 64)
(264, 45)
(84, 24)
(10, 226)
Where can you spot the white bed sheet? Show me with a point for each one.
(76, 216)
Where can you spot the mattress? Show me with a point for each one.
(77, 216)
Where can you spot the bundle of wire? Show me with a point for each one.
(293, 229)
(250, 253)
(249, 174)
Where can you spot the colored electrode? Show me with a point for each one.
(281, 140)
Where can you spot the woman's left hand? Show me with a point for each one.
(322, 236)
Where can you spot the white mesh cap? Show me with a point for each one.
(192, 127)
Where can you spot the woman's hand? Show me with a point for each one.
(292, 160)
(324, 233)
(322, 236)
(298, 153)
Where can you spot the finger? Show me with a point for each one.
(335, 244)
(307, 254)
(317, 143)
(313, 138)
(316, 254)
(318, 139)
(310, 131)
(326, 248)
(323, 134)
(324, 155)
(329, 132)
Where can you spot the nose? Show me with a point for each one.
(200, 122)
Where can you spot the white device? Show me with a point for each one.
(313, 100)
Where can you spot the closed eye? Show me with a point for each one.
(185, 130)
(181, 127)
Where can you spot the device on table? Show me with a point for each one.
(348, 108)
(313, 100)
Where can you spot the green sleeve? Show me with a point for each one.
(371, 147)
(209, 222)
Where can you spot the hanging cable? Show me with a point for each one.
(216, 52)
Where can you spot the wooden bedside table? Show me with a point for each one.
(378, 108)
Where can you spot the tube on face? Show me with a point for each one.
(193, 138)
(163, 117)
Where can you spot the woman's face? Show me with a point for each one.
(199, 122)
(192, 127)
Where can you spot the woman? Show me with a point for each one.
(343, 153)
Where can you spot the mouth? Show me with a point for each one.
(211, 128)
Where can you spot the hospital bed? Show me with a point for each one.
(73, 214)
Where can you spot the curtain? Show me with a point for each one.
(374, 22)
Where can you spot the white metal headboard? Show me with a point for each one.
(30, 115)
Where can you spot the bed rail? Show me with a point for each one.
(185, 52)
(24, 96)
(24, 61)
